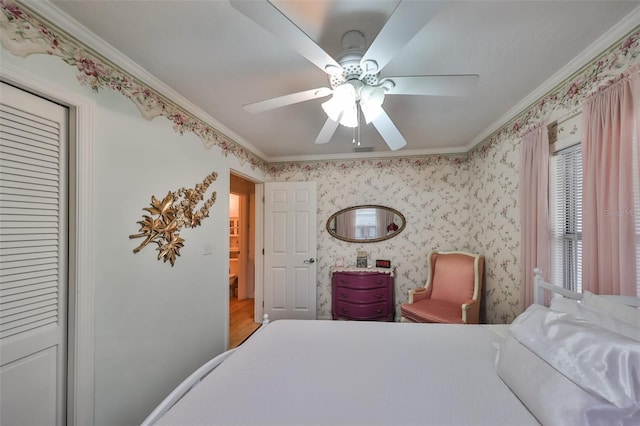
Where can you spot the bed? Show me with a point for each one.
(575, 362)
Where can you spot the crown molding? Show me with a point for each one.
(606, 41)
(78, 31)
(456, 151)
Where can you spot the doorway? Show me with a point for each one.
(242, 263)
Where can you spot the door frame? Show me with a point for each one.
(80, 331)
(258, 311)
(258, 297)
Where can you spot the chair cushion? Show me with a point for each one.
(431, 310)
(453, 278)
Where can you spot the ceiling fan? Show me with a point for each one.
(356, 84)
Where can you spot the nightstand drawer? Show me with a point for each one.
(371, 311)
(362, 296)
(361, 280)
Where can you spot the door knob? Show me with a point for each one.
(312, 260)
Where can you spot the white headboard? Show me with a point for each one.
(540, 285)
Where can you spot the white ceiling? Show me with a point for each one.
(219, 60)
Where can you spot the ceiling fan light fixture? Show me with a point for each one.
(370, 112)
(333, 109)
(368, 67)
(343, 99)
(371, 99)
(350, 116)
(387, 84)
(354, 75)
(333, 70)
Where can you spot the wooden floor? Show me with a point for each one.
(241, 320)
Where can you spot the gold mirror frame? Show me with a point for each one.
(398, 222)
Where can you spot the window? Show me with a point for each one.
(366, 224)
(566, 218)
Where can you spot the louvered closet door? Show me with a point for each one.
(33, 258)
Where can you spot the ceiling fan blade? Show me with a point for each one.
(271, 19)
(407, 20)
(285, 100)
(327, 131)
(389, 131)
(433, 85)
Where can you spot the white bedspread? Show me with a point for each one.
(356, 373)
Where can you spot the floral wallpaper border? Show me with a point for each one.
(278, 169)
(24, 32)
(570, 94)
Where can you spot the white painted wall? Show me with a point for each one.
(153, 301)
(154, 324)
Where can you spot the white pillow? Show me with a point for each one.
(550, 396)
(604, 364)
(595, 316)
(624, 313)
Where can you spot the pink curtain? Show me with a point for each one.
(610, 130)
(346, 224)
(534, 209)
(384, 222)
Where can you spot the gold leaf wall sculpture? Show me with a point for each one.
(167, 217)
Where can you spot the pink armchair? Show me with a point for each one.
(452, 293)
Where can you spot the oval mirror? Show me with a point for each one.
(366, 224)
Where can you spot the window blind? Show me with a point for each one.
(566, 218)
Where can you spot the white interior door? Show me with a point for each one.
(33, 259)
(290, 250)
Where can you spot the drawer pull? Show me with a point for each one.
(344, 295)
(378, 311)
(343, 281)
(379, 296)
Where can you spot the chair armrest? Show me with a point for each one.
(418, 294)
(471, 312)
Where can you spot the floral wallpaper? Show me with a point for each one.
(460, 202)
(431, 192)
(494, 228)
